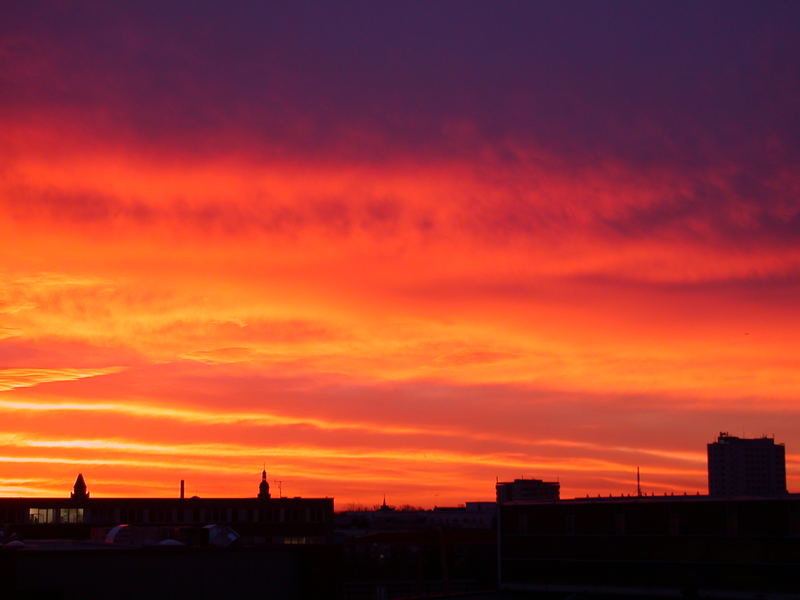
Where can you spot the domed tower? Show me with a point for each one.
(263, 487)
(79, 491)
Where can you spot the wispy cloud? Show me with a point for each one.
(17, 378)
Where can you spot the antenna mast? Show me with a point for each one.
(638, 483)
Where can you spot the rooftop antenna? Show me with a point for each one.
(279, 482)
(638, 483)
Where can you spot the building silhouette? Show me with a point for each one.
(258, 520)
(530, 490)
(79, 490)
(746, 467)
(650, 546)
(263, 487)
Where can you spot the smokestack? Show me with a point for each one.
(182, 487)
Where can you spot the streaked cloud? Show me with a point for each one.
(16, 378)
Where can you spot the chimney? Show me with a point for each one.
(182, 487)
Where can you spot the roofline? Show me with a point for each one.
(94, 500)
(649, 499)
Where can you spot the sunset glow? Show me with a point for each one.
(404, 272)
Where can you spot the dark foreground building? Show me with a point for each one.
(67, 570)
(670, 546)
(746, 467)
(258, 520)
(133, 548)
(389, 553)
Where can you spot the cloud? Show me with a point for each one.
(646, 84)
(53, 352)
(16, 378)
(402, 436)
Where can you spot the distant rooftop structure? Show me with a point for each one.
(470, 515)
(527, 490)
(746, 467)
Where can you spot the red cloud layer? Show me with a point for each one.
(415, 325)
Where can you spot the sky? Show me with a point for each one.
(395, 248)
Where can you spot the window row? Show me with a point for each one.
(55, 515)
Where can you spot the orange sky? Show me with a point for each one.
(174, 327)
(372, 317)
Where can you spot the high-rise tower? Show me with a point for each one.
(746, 467)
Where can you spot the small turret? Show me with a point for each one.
(263, 487)
(79, 491)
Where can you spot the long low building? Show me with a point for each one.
(261, 519)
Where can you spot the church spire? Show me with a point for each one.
(385, 507)
(79, 491)
(263, 487)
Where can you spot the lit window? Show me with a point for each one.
(71, 515)
(42, 515)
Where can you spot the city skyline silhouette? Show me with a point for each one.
(404, 248)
